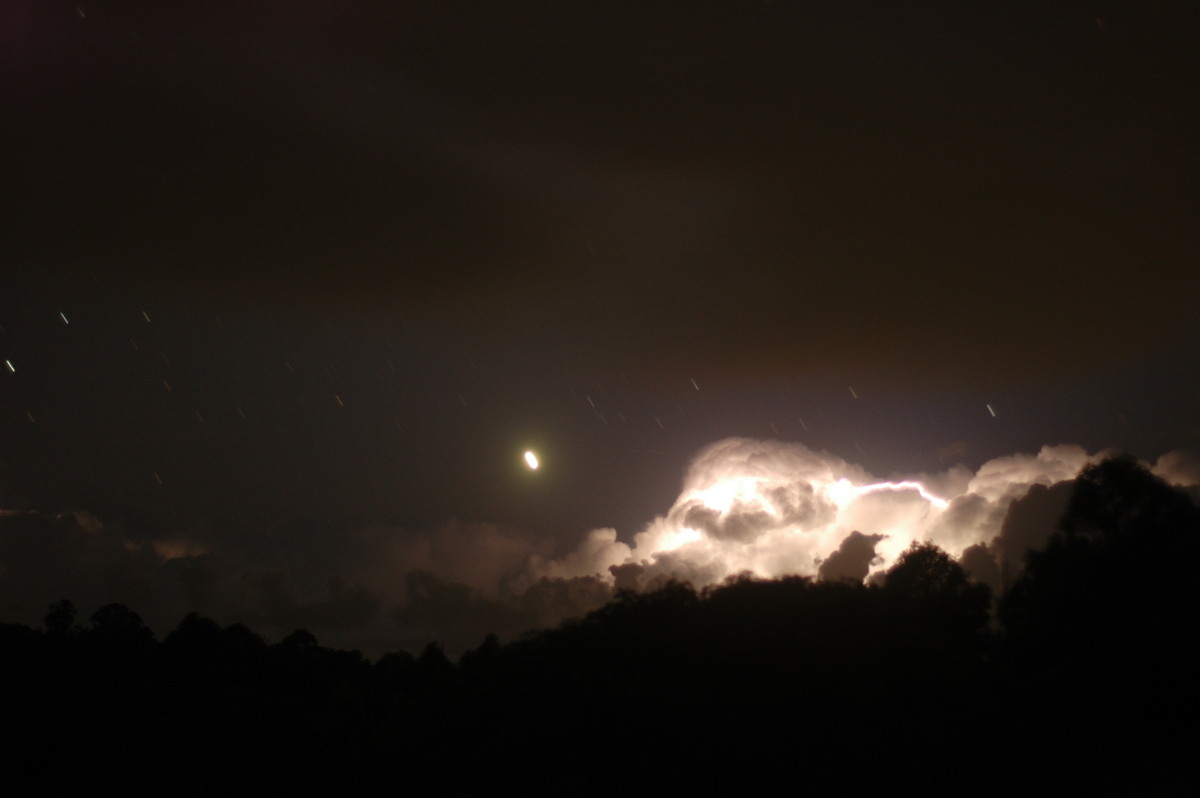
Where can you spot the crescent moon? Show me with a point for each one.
(531, 460)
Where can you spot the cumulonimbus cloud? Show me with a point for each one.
(774, 509)
(765, 507)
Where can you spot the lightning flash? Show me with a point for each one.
(774, 509)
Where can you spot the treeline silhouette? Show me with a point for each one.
(1080, 674)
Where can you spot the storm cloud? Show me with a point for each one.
(759, 506)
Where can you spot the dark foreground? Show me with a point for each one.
(1079, 677)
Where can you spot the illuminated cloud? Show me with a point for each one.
(765, 507)
(852, 561)
(1181, 469)
(775, 509)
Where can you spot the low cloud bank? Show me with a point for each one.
(766, 507)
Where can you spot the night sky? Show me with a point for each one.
(276, 273)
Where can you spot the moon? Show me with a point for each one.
(531, 460)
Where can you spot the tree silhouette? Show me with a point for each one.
(925, 572)
(117, 622)
(1122, 563)
(1096, 644)
(60, 618)
(300, 641)
(1098, 629)
(937, 587)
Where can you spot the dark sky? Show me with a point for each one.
(329, 264)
